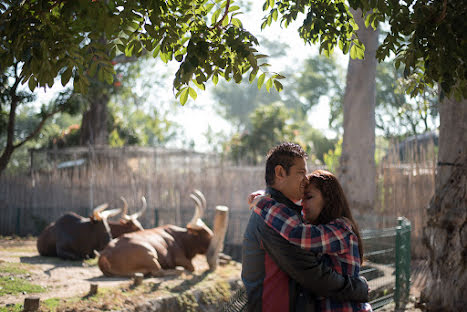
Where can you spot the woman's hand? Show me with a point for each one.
(253, 195)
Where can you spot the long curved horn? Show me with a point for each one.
(96, 213)
(202, 198)
(109, 213)
(125, 207)
(198, 212)
(140, 213)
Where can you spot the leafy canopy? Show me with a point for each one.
(80, 38)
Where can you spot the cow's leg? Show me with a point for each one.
(185, 262)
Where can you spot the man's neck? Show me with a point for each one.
(281, 198)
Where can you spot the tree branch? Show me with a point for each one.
(440, 18)
(226, 11)
(39, 127)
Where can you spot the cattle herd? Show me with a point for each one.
(125, 248)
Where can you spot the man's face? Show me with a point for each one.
(293, 184)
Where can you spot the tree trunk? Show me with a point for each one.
(94, 124)
(357, 170)
(445, 234)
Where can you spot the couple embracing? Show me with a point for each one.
(302, 249)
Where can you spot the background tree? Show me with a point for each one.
(357, 169)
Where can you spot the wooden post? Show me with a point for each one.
(93, 289)
(31, 304)
(221, 220)
(138, 280)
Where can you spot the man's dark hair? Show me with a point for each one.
(283, 154)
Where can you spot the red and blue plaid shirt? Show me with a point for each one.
(335, 241)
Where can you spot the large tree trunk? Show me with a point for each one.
(357, 170)
(94, 124)
(445, 234)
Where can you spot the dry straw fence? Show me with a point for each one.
(78, 179)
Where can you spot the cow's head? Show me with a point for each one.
(131, 221)
(212, 241)
(196, 227)
(99, 220)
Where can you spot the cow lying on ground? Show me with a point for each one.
(163, 247)
(74, 237)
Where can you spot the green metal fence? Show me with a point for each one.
(387, 263)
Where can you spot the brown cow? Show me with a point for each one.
(164, 247)
(75, 237)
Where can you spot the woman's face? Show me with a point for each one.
(312, 203)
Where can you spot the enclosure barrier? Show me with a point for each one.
(387, 263)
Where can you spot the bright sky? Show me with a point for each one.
(197, 116)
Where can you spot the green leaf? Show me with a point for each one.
(93, 69)
(261, 80)
(184, 96)
(109, 78)
(269, 84)
(274, 14)
(234, 8)
(157, 49)
(236, 22)
(225, 22)
(215, 79)
(32, 83)
(215, 16)
(192, 93)
(253, 75)
(66, 76)
(278, 86)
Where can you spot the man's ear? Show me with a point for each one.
(279, 172)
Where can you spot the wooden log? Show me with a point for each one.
(138, 279)
(93, 289)
(31, 304)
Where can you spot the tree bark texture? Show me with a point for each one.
(445, 234)
(94, 124)
(357, 170)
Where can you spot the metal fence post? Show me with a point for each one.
(398, 268)
(402, 290)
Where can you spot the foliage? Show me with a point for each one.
(78, 39)
(236, 102)
(131, 125)
(331, 158)
(270, 125)
(64, 38)
(396, 113)
(427, 37)
(321, 76)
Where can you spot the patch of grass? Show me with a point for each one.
(12, 268)
(51, 304)
(13, 285)
(12, 308)
(91, 262)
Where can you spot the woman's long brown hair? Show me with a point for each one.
(335, 202)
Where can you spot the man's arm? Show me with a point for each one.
(304, 267)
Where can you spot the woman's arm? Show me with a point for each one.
(331, 238)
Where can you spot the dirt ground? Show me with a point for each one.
(61, 278)
(65, 279)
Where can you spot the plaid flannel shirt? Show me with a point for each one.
(335, 241)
